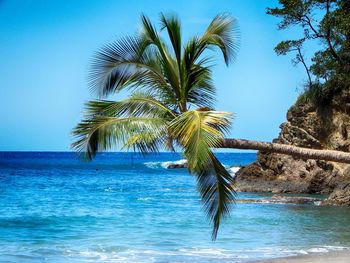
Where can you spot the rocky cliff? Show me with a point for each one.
(308, 125)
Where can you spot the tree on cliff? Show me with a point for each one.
(170, 105)
(328, 23)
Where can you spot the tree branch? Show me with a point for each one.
(307, 20)
(305, 66)
(328, 36)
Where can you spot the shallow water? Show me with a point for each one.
(123, 207)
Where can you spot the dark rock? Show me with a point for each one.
(339, 197)
(175, 164)
(311, 127)
(279, 199)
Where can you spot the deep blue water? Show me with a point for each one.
(123, 207)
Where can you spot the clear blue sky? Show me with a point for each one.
(46, 48)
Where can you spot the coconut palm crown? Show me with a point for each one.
(170, 105)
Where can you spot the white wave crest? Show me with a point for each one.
(165, 165)
(234, 169)
(182, 162)
(153, 165)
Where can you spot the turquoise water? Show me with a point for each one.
(123, 207)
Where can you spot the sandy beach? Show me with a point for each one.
(333, 257)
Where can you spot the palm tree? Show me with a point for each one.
(171, 105)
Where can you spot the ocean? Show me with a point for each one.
(125, 207)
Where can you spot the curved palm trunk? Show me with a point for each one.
(298, 152)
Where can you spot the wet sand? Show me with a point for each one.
(332, 257)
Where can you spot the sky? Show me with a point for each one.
(46, 49)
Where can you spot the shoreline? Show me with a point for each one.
(342, 256)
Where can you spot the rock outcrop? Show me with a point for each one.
(280, 199)
(326, 127)
(175, 164)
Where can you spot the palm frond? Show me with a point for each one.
(145, 142)
(200, 88)
(196, 72)
(168, 63)
(128, 61)
(192, 51)
(103, 133)
(216, 187)
(149, 31)
(137, 104)
(173, 27)
(222, 33)
(198, 131)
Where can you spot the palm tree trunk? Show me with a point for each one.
(298, 152)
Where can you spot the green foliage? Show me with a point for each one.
(164, 83)
(316, 94)
(285, 47)
(328, 23)
(199, 131)
(102, 133)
